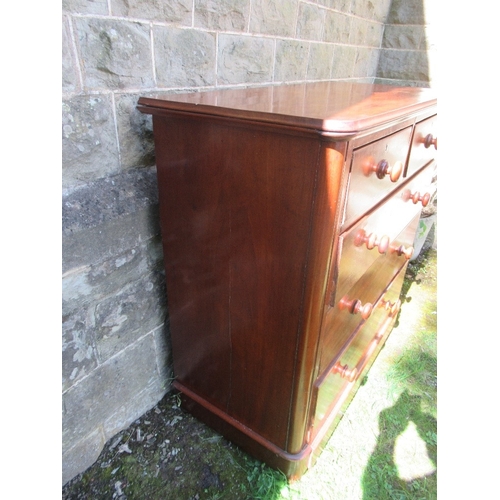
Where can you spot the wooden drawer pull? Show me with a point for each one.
(416, 197)
(393, 307)
(345, 371)
(372, 241)
(430, 140)
(382, 168)
(402, 250)
(355, 306)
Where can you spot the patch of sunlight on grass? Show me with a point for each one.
(411, 455)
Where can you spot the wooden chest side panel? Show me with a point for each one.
(235, 217)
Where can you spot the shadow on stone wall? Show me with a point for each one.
(406, 44)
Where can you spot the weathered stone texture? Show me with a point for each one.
(402, 37)
(291, 60)
(408, 65)
(337, 27)
(171, 11)
(106, 199)
(93, 283)
(135, 133)
(111, 239)
(311, 22)
(128, 384)
(123, 317)
(184, 57)
(70, 81)
(245, 59)
(406, 12)
(278, 17)
(376, 10)
(79, 354)
(222, 15)
(86, 450)
(366, 62)
(344, 57)
(320, 61)
(115, 54)
(358, 31)
(89, 147)
(86, 6)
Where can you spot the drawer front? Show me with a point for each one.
(383, 232)
(424, 145)
(363, 346)
(376, 170)
(354, 307)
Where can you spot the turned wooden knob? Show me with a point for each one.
(372, 241)
(416, 197)
(430, 140)
(402, 250)
(382, 168)
(345, 371)
(355, 306)
(392, 307)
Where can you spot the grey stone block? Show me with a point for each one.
(410, 65)
(93, 283)
(115, 54)
(291, 60)
(113, 395)
(135, 133)
(109, 198)
(184, 57)
(366, 63)
(274, 18)
(311, 22)
(222, 15)
(124, 317)
(173, 11)
(344, 57)
(320, 61)
(376, 10)
(374, 34)
(244, 59)
(406, 12)
(109, 240)
(79, 355)
(337, 27)
(358, 31)
(86, 6)
(398, 36)
(70, 81)
(89, 147)
(82, 455)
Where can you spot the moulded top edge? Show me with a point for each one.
(327, 107)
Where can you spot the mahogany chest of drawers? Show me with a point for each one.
(288, 215)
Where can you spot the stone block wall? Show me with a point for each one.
(409, 47)
(115, 348)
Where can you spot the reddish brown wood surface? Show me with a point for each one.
(254, 189)
(332, 107)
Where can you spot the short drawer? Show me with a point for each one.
(424, 145)
(376, 170)
(347, 368)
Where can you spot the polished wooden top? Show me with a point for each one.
(332, 108)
